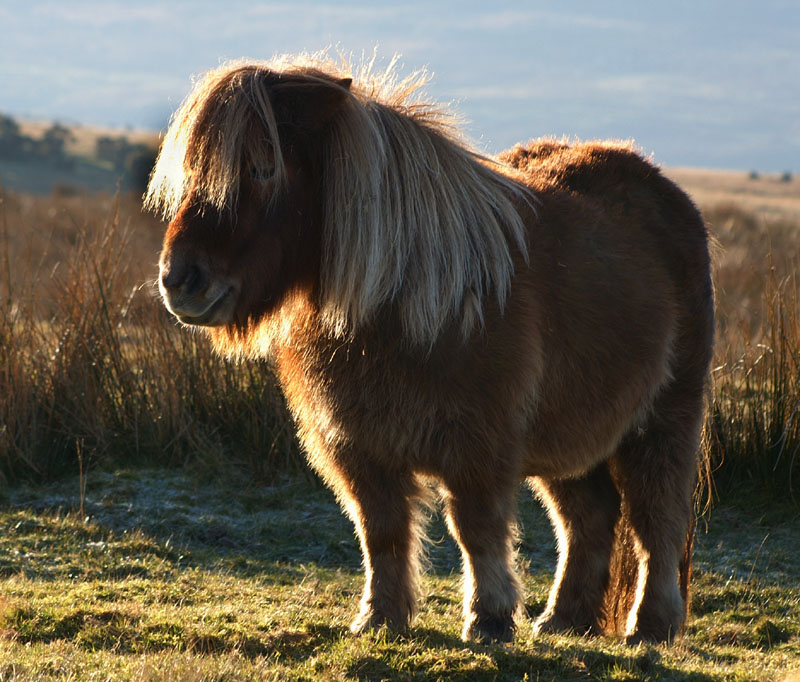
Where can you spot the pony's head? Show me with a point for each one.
(236, 179)
(287, 176)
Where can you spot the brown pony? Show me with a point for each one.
(437, 316)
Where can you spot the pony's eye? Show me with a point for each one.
(261, 173)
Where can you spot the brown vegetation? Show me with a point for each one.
(91, 367)
(754, 425)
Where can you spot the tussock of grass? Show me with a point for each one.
(92, 367)
(754, 420)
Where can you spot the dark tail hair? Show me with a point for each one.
(624, 575)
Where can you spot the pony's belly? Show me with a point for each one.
(570, 442)
(435, 437)
(570, 458)
(440, 447)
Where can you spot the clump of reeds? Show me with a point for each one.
(92, 368)
(754, 421)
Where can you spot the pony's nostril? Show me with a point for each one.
(191, 278)
(196, 279)
(173, 275)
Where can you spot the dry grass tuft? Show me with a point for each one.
(92, 367)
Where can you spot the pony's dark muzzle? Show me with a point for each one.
(193, 295)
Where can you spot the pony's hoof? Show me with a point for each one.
(642, 636)
(554, 625)
(369, 621)
(656, 629)
(488, 629)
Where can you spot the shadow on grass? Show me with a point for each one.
(245, 526)
(126, 633)
(476, 663)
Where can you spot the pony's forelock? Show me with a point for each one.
(225, 120)
(413, 216)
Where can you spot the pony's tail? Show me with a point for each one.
(685, 570)
(623, 578)
(623, 582)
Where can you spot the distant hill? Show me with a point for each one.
(772, 197)
(42, 157)
(46, 157)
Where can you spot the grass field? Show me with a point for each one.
(770, 197)
(157, 522)
(164, 575)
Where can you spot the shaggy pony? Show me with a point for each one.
(436, 315)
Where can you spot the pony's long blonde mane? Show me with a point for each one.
(414, 217)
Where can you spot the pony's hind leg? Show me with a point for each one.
(655, 470)
(481, 519)
(385, 509)
(584, 512)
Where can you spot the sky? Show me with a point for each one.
(706, 83)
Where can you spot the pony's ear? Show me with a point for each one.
(310, 105)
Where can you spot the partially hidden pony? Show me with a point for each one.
(439, 318)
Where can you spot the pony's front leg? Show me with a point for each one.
(481, 519)
(384, 506)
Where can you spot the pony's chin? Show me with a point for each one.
(204, 313)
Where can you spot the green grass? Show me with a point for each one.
(169, 575)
